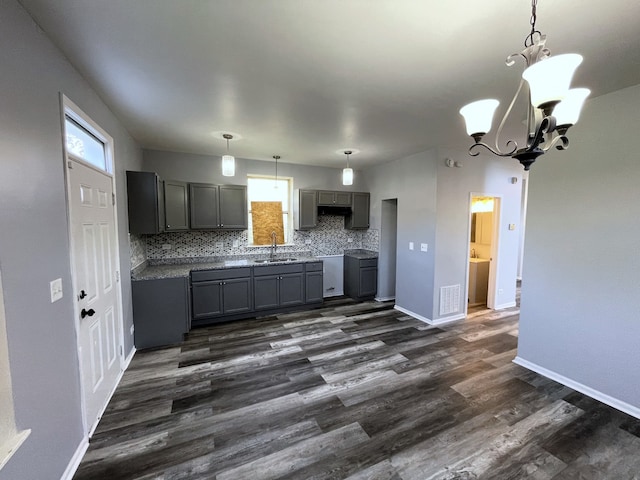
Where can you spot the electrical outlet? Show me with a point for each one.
(410, 245)
(55, 287)
(424, 247)
(307, 242)
(219, 245)
(167, 246)
(500, 291)
(235, 244)
(349, 240)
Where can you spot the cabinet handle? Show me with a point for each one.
(168, 226)
(222, 224)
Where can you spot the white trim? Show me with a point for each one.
(74, 463)
(505, 305)
(68, 108)
(385, 299)
(596, 394)
(440, 321)
(11, 446)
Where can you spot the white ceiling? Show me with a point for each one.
(306, 78)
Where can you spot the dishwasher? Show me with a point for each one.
(332, 279)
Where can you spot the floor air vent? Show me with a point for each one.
(449, 299)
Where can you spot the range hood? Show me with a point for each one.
(332, 210)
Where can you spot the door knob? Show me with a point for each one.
(87, 313)
(82, 294)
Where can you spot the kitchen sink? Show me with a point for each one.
(274, 260)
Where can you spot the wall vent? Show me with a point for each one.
(449, 299)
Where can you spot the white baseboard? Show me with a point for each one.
(596, 394)
(127, 362)
(439, 321)
(385, 299)
(505, 305)
(76, 459)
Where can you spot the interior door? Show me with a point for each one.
(94, 243)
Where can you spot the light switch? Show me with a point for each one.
(166, 246)
(349, 240)
(56, 289)
(410, 245)
(235, 244)
(307, 242)
(512, 226)
(424, 247)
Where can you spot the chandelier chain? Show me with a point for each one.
(529, 41)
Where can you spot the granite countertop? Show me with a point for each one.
(184, 269)
(361, 253)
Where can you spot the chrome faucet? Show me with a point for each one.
(274, 245)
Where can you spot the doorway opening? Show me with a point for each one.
(388, 250)
(484, 219)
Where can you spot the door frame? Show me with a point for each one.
(492, 291)
(70, 109)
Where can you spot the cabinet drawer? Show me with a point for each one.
(277, 269)
(313, 267)
(203, 275)
(369, 262)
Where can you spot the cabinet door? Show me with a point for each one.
(233, 207)
(266, 291)
(326, 198)
(313, 287)
(160, 311)
(368, 281)
(236, 295)
(342, 199)
(307, 215)
(206, 299)
(291, 289)
(176, 206)
(359, 217)
(145, 198)
(203, 206)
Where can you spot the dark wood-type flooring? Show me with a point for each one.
(354, 391)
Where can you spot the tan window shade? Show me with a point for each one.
(267, 218)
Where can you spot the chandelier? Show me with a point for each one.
(552, 109)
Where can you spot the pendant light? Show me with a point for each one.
(228, 162)
(347, 173)
(276, 157)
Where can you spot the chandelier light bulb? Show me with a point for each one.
(549, 79)
(478, 116)
(568, 110)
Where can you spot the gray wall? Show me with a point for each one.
(581, 287)
(34, 241)
(388, 249)
(205, 168)
(481, 174)
(412, 180)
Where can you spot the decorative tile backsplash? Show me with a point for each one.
(138, 250)
(328, 238)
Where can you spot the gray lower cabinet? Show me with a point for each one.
(360, 277)
(215, 293)
(278, 286)
(145, 199)
(359, 218)
(160, 311)
(176, 205)
(313, 289)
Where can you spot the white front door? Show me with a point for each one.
(94, 243)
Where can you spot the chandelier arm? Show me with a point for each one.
(495, 152)
(504, 119)
(547, 125)
(562, 139)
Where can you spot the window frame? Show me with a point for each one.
(288, 227)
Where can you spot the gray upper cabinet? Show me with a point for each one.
(359, 218)
(176, 206)
(233, 207)
(145, 198)
(336, 199)
(218, 206)
(306, 210)
(203, 205)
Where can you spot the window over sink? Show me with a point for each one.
(263, 188)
